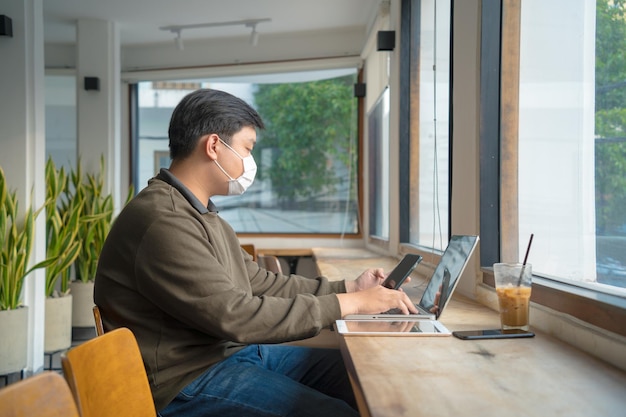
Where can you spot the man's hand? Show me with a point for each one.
(368, 279)
(375, 300)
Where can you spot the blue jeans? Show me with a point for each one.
(270, 380)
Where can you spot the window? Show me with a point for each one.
(550, 150)
(61, 119)
(378, 130)
(428, 170)
(307, 156)
(572, 144)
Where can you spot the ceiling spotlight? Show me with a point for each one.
(254, 36)
(178, 41)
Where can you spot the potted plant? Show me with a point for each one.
(17, 236)
(94, 225)
(63, 216)
(93, 229)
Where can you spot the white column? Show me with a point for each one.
(98, 112)
(465, 207)
(22, 143)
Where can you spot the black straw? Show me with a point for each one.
(521, 275)
(530, 242)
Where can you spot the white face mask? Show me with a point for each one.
(240, 185)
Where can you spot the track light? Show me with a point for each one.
(251, 23)
(178, 41)
(254, 36)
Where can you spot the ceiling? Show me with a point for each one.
(139, 21)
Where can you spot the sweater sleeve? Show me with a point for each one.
(205, 284)
(265, 282)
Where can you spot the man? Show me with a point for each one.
(207, 318)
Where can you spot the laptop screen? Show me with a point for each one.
(447, 274)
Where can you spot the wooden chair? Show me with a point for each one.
(271, 263)
(42, 395)
(98, 321)
(107, 377)
(248, 247)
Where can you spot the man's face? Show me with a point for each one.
(242, 142)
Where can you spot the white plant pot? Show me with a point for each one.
(13, 340)
(82, 304)
(58, 324)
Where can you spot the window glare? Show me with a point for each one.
(378, 136)
(571, 166)
(60, 93)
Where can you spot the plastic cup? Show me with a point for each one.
(513, 286)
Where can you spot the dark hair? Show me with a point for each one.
(204, 112)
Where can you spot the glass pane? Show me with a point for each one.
(378, 170)
(430, 213)
(572, 154)
(61, 119)
(306, 156)
(610, 143)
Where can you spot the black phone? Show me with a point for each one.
(492, 334)
(400, 273)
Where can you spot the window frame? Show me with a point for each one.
(379, 169)
(409, 125)
(408, 160)
(599, 309)
(261, 68)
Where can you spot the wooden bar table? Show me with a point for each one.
(446, 376)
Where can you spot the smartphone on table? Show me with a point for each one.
(491, 334)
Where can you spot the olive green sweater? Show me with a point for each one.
(173, 272)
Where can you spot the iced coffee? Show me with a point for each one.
(514, 307)
(513, 286)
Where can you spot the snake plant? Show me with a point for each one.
(17, 236)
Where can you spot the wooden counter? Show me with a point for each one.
(406, 376)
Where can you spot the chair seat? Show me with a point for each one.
(42, 395)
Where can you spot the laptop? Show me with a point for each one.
(444, 281)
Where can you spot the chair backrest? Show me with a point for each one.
(97, 317)
(249, 247)
(271, 263)
(42, 395)
(107, 377)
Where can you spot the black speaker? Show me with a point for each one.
(359, 90)
(386, 40)
(92, 83)
(6, 26)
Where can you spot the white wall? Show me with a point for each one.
(465, 133)
(22, 143)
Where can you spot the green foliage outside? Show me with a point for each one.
(610, 118)
(309, 126)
